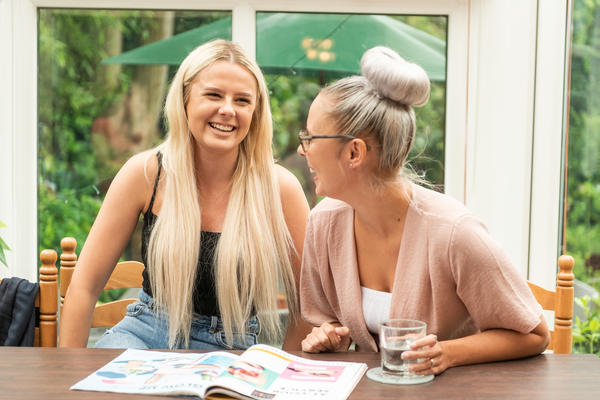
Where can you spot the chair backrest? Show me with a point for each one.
(561, 302)
(127, 274)
(46, 302)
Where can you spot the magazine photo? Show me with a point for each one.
(261, 372)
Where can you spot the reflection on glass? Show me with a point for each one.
(582, 208)
(302, 52)
(93, 116)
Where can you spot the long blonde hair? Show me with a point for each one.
(255, 247)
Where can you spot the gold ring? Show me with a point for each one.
(431, 360)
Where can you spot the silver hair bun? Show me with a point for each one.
(395, 78)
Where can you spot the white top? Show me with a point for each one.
(376, 307)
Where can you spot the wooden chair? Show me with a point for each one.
(561, 302)
(46, 302)
(127, 274)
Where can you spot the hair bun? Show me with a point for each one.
(395, 78)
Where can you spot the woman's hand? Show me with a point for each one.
(487, 346)
(327, 337)
(435, 360)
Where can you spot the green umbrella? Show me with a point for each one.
(173, 50)
(304, 43)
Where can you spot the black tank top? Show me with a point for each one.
(204, 297)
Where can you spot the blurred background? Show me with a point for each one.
(104, 74)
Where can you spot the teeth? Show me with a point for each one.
(221, 127)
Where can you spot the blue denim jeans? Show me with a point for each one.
(143, 328)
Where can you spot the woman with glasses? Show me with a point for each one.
(382, 246)
(223, 224)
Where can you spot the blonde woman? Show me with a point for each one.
(222, 223)
(385, 247)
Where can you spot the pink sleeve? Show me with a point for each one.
(314, 304)
(492, 289)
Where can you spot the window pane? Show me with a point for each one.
(93, 116)
(582, 208)
(302, 52)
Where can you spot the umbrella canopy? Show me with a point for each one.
(290, 43)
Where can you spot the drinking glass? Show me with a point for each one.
(395, 337)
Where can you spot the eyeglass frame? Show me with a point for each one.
(302, 138)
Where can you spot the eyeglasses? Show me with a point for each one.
(305, 139)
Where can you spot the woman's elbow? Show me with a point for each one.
(541, 336)
(542, 342)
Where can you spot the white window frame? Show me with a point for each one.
(516, 100)
(492, 162)
(551, 102)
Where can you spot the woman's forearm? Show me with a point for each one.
(495, 345)
(76, 319)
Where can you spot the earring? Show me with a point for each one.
(350, 165)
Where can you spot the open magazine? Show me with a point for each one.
(261, 372)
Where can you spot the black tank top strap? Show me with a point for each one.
(159, 158)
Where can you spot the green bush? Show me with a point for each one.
(582, 207)
(586, 334)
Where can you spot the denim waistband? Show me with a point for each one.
(146, 299)
(213, 322)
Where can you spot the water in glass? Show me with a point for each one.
(391, 356)
(396, 337)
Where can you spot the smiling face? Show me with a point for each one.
(323, 155)
(221, 103)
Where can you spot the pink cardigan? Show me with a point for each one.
(450, 273)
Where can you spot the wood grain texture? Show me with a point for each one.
(548, 376)
(105, 315)
(46, 301)
(561, 302)
(126, 274)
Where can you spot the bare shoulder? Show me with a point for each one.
(142, 165)
(293, 199)
(295, 210)
(136, 177)
(288, 183)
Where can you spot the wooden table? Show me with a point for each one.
(47, 373)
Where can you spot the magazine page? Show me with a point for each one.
(264, 372)
(152, 372)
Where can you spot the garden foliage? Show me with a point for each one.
(586, 333)
(80, 97)
(583, 174)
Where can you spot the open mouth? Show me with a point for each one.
(221, 127)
